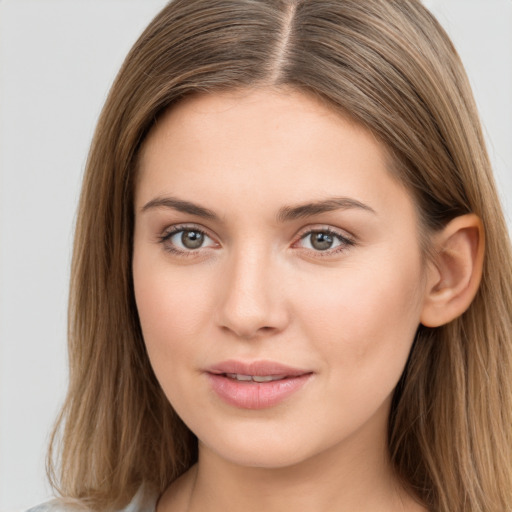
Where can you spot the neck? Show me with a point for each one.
(320, 484)
(355, 475)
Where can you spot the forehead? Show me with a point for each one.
(271, 115)
(269, 146)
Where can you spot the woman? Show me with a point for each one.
(291, 282)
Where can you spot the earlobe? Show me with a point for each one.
(454, 276)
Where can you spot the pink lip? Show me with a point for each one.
(255, 395)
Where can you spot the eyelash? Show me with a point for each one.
(167, 235)
(344, 242)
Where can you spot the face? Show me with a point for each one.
(277, 273)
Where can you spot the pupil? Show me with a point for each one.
(192, 239)
(321, 241)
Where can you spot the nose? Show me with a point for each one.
(252, 296)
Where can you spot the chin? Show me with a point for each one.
(248, 449)
(263, 458)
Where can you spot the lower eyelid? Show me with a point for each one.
(344, 242)
(165, 241)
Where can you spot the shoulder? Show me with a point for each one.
(141, 502)
(55, 506)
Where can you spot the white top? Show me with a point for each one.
(141, 502)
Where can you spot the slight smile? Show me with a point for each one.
(255, 385)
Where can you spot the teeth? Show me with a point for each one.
(242, 377)
(255, 378)
(267, 378)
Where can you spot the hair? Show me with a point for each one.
(389, 66)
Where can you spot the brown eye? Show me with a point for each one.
(182, 240)
(321, 241)
(192, 239)
(324, 240)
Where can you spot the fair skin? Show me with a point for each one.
(230, 265)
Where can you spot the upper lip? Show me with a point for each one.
(258, 368)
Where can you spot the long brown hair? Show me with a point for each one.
(389, 66)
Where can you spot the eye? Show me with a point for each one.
(181, 240)
(324, 240)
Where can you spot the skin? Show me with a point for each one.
(258, 289)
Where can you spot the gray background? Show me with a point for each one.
(57, 61)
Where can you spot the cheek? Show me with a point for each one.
(363, 330)
(171, 308)
(365, 317)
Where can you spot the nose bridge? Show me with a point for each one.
(251, 302)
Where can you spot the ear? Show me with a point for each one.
(453, 277)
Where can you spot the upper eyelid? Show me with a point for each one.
(343, 233)
(176, 228)
(165, 236)
(345, 238)
(164, 239)
(307, 230)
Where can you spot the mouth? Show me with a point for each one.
(254, 378)
(256, 385)
(268, 369)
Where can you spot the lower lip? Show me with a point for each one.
(256, 395)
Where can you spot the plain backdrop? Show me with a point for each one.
(57, 61)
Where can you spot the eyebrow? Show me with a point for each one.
(288, 213)
(181, 206)
(285, 214)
